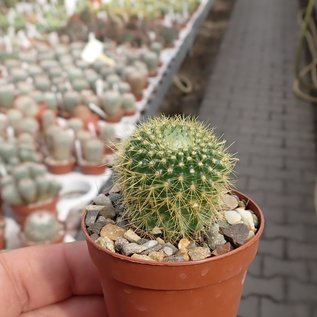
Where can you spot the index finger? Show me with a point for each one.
(38, 276)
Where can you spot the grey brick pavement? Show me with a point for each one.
(249, 100)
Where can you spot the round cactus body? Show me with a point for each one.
(62, 146)
(42, 226)
(18, 74)
(27, 105)
(27, 189)
(157, 48)
(14, 118)
(30, 125)
(93, 151)
(173, 173)
(128, 102)
(34, 70)
(75, 124)
(124, 87)
(151, 60)
(111, 103)
(6, 96)
(71, 99)
(42, 83)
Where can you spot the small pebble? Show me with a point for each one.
(112, 232)
(251, 235)
(115, 189)
(222, 249)
(157, 255)
(142, 241)
(233, 217)
(199, 253)
(168, 251)
(95, 228)
(102, 200)
(106, 243)
(230, 201)
(115, 198)
(131, 236)
(174, 258)
(131, 248)
(94, 236)
(247, 218)
(91, 217)
(183, 244)
(237, 234)
(119, 243)
(141, 257)
(160, 240)
(156, 231)
(255, 220)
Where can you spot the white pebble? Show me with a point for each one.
(247, 218)
(232, 217)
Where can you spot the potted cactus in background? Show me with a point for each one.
(2, 228)
(60, 144)
(112, 106)
(93, 156)
(29, 189)
(42, 227)
(178, 239)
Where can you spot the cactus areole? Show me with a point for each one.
(173, 173)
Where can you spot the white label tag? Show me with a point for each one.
(92, 51)
(70, 6)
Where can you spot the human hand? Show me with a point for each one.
(52, 281)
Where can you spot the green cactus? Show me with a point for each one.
(151, 60)
(157, 48)
(30, 125)
(28, 153)
(124, 87)
(107, 134)
(62, 146)
(113, 80)
(75, 124)
(71, 99)
(8, 151)
(91, 77)
(49, 64)
(42, 83)
(34, 70)
(29, 184)
(51, 100)
(27, 105)
(24, 88)
(128, 103)
(111, 103)
(27, 189)
(6, 96)
(173, 173)
(80, 84)
(93, 151)
(14, 118)
(18, 74)
(41, 227)
(74, 73)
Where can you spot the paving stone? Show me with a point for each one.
(268, 287)
(293, 269)
(250, 307)
(273, 309)
(301, 292)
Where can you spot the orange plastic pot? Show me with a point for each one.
(90, 169)
(21, 212)
(211, 287)
(60, 168)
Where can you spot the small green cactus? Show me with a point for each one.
(93, 151)
(27, 105)
(173, 173)
(42, 83)
(18, 74)
(29, 184)
(107, 134)
(124, 87)
(157, 48)
(8, 151)
(62, 146)
(30, 125)
(14, 118)
(151, 60)
(111, 103)
(80, 84)
(75, 124)
(42, 227)
(34, 70)
(50, 99)
(6, 96)
(71, 99)
(128, 103)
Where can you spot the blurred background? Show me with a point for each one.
(77, 76)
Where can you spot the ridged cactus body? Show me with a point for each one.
(93, 151)
(41, 227)
(173, 173)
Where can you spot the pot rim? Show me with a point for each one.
(183, 263)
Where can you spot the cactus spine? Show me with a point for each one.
(173, 173)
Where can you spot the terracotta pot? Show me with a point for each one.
(130, 113)
(115, 118)
(22, 211)
(90, 169)
(62, 168)
(210, 287)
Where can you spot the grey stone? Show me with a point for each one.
(122, 222)
(94, 236)
(131, 236)
(151, 247)
(102, 200)
(95, 228)
(106, 211)
(142, 241)
(214, 237)
(237, 234)
(91, 217)
(106, 243)
(131, 248)
(120, 243)
(115, 198)
(174, 258)
(168, 251)
(199, 253)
